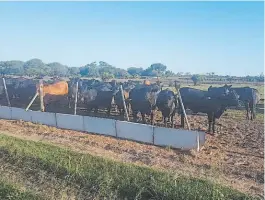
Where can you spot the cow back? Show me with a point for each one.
(247, 94)
(59, 88)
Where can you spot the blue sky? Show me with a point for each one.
(198, 37)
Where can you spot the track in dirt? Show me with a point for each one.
(234, 156)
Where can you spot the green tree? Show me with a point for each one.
(180, 74)
(160, 68)
(57, 69)
(156, 69)
(13, 67)
(36, 67)
(73, 71)
(261, 77)
(121, 73)
(135, 71)
(169, 73)
(196, 78)
(90, 70)
(106, 76)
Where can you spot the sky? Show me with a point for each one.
(197, 37)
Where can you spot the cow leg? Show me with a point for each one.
(254, 111)
(213, 124)
(165, 121)
(247, 109)
(116, 108)
(96, 110)
(108, 112)
(70, 101)
(89, 109)
(152, 117)
(209, 122)
(128, 108)
(135, 116)
(182, 124)
(172, 120)
(69, 104)
(121, 113)
(143, 118)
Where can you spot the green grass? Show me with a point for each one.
(108, 179)
(8, 191)
(241, 114)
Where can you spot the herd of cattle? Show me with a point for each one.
(145, 97)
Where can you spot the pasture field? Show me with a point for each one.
(234, 157)
(59, 173)
(57, 107)
(229, 166)
(259, 87)
(204, 86)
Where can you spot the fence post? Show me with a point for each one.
(32, 100)
(76, 93)
(124, 105)
(182, 106)
(7, 97)
(116, 131)
(41, 95)
(153, 129)
(198, 140)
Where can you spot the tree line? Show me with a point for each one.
(35, 67)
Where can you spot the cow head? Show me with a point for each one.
(231, 99)
(219, 92)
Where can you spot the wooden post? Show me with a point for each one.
(124, 105)
(7, 97)
(182, 106)
(198, 141)
(76, 93)
(41, 96)
(32, 100)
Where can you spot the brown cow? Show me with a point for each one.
(54, 92)
(147, 82)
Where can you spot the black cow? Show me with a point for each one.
(167, 103)
(143, 100)
(98, 96)
(212, 102)
(250, 97)
(20, 91)
(217, 92)
(127, 87)
(83, 85)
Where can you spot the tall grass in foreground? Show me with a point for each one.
(109, 179)
(8, 191)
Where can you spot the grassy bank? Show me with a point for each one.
(98, 177)
(8, 191)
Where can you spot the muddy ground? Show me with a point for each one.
(234, 156)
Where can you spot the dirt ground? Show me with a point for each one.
(234, 156)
